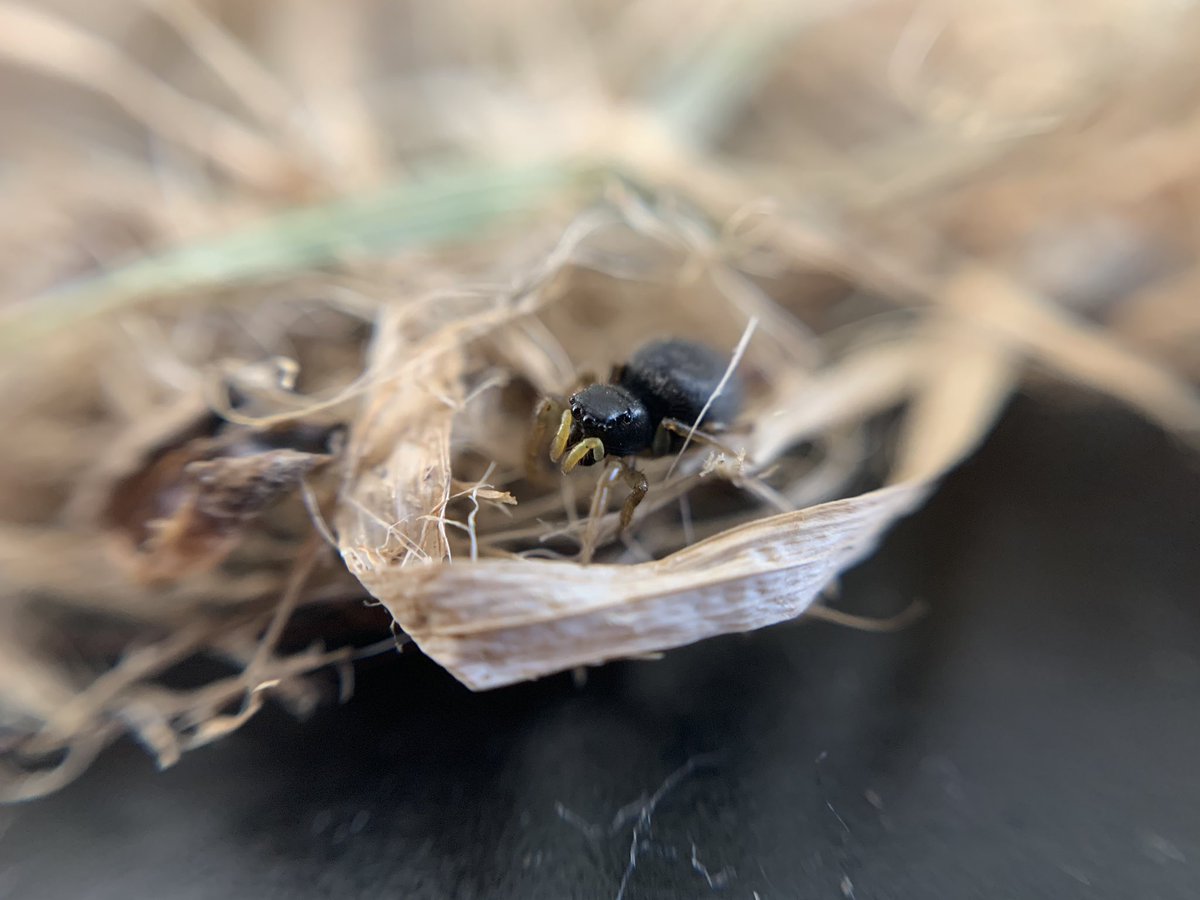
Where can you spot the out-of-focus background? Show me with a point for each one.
(209, 207)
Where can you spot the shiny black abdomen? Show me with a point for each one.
(674, 378)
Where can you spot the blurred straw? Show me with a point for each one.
(42, 42)
(440, 208)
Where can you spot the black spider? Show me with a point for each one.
(647, 406)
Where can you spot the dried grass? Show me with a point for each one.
(228, 344)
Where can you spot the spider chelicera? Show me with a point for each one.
(647, 407)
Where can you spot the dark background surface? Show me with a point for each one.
(1037, 735)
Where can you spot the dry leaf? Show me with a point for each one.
(496, 622)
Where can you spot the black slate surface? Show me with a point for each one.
(1037, 735)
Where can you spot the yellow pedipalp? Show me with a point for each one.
(558, 446)
(577, 454)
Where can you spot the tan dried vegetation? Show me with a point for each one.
(286, 275)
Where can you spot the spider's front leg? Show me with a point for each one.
(551, 429)
(638, 488)
(668, 427)
(551, 426)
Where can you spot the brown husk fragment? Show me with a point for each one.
(188, 510)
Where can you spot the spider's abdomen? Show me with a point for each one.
(674, 378)
(615, 416)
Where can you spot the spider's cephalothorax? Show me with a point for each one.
(646, 406)
(614, 416)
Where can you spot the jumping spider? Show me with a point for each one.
(647, 407)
